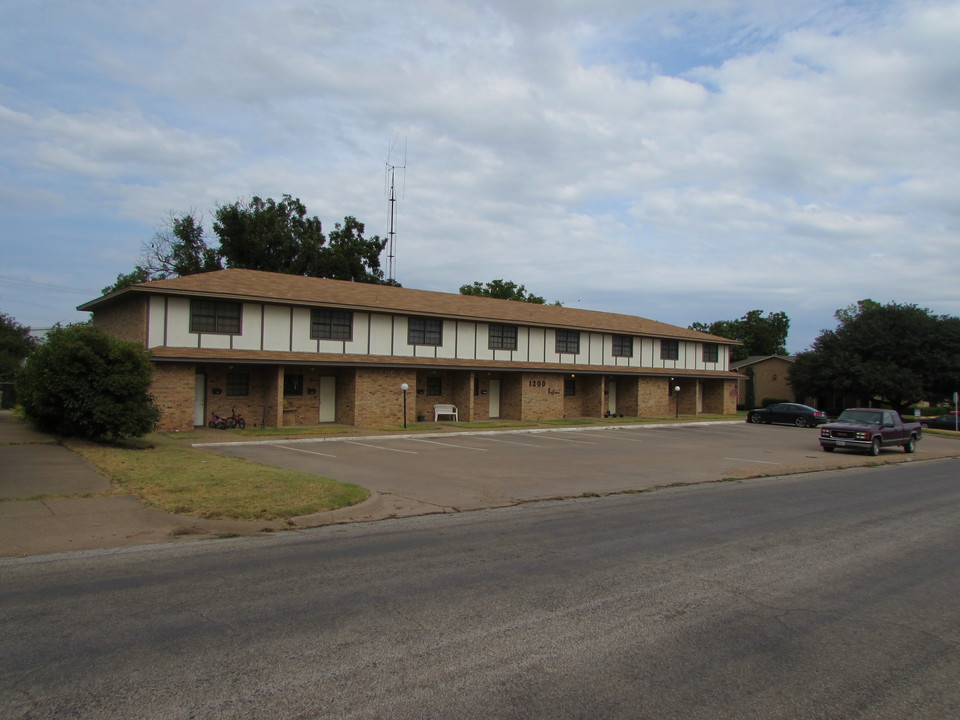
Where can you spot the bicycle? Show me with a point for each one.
(217, 422)
(235, 420)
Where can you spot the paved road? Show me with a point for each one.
(827, 595)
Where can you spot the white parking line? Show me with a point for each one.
(582, 442)
(763, 462)
(610, 436)
(508, 442)
(309, 452)
(377, 447)
(451, 445)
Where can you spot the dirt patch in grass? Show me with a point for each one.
(170, 476)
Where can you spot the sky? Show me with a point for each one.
(681, 160)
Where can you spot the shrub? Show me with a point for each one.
(84, 383)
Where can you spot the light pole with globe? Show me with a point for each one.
(404, 387)
(676, 391)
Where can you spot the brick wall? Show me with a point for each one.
(126, 320)
(718, 397)
(379, 400)
(654, 396)
(539, 397)
(172, 387)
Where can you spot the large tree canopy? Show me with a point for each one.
(896, 354)
(260, 234)
(502, 290)
(760, 335)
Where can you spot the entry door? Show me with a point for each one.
(612, 397)
(493, 395)
(328, 399)
(200, 400)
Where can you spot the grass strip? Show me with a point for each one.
(188, 481)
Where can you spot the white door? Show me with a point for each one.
(612, 397)
(328, 399)
(493, 395)
(200, 399)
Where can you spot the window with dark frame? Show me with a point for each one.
(238, 384)
(502, 337)
(424, 331)
(568, 341)
(569, 387)
(331, 324)
(292, 384)
(434, 386)
(711, 352)
(215, 316)
(669, 349)
(623, 346)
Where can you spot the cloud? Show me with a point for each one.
(682, 161)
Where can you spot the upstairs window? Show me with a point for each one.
(425, 331)
(568, 341)
(622, 346)
(331, 324)
(711, 352)
(503, 337)
(669, 349)
(215, 316)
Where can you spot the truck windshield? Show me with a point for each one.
(860, 416)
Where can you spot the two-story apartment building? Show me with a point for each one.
(292, 350)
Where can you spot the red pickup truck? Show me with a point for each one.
(869, 429)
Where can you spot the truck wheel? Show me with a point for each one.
(910, 446)
(828, 448)
(875, 447)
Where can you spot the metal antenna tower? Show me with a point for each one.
(391, 177)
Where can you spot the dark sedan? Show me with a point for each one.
(944, 422)
(789, 413)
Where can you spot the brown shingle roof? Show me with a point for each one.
(257, 286)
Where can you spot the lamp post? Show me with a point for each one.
(404, 387)
(676, 391)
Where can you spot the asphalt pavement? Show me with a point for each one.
(52, 500)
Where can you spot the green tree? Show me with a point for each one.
(348, 255)
(260, 234)
(82, 382)
(16, 344)
(760, 335)
(502, 290)
(266, 235)
(897, 354)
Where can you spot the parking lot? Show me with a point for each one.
(472, 470)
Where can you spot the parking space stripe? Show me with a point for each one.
(610, 436)
(450, 445)
(582, 442)
(309, 452)
(378, 447)
(508, 442)
(762, 462)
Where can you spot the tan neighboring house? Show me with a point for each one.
(767, 375)
(292, 350)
